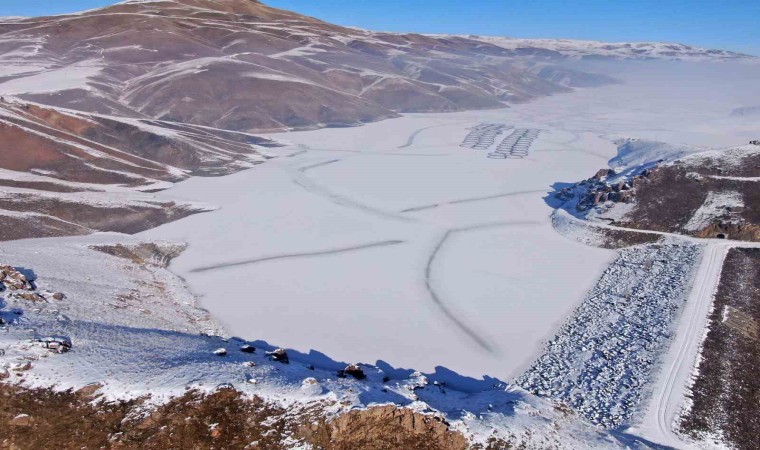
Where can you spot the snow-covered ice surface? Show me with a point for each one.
(391, 243)
(137, 332)
(425, 256)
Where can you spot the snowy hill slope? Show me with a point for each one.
(242, 65)
(64, 172)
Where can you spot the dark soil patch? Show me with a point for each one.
(672, 195)
(726, 394)
(68, 420)
(667, 201)
(615, 239)
(225, 419)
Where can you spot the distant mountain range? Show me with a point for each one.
(594, 50)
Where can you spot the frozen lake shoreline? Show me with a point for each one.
(392, 242)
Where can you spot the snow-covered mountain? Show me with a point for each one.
(580, 49)
(242, 65)
(239, 64)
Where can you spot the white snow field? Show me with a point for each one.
(392, 242)
(424, 256)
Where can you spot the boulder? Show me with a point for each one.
(279, 355)
(29, 296)
(619, 186)
(89, 390)
(353, 370)
(57, 344)
(21, 367)
(310, 386)
(58, 296)
(247, 348)
(12, 279)
(220, 352)
(21, 420)
(603, 173)
(564, 194)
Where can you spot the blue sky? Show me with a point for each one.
(726, 24)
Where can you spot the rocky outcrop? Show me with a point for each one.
(13, 280)
(21, 420)
(352, 370)
(387, 427)
(597, 190)
(224, 418)
(712, 194)
(158, 254)
(731, 230)
(279, 355)
(57, 344)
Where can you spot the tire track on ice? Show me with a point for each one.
(413, 136)
(314, 166)
(298, 255)
(316, 189)
(481, 341)
(469, 200)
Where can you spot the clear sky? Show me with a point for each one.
(725, 24)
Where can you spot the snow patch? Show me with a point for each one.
(717, 204)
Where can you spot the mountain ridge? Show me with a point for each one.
(245, 66)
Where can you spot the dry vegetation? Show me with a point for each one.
(225, 419)
(143, 253)
(726, 393)
(615, 239)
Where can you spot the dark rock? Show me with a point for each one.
(279, 355)
(355, 371)
(248, 348)
(604, 173)
(89, 391)
(14, 280)
(57, 344)
(21, 420)
(29, 296)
